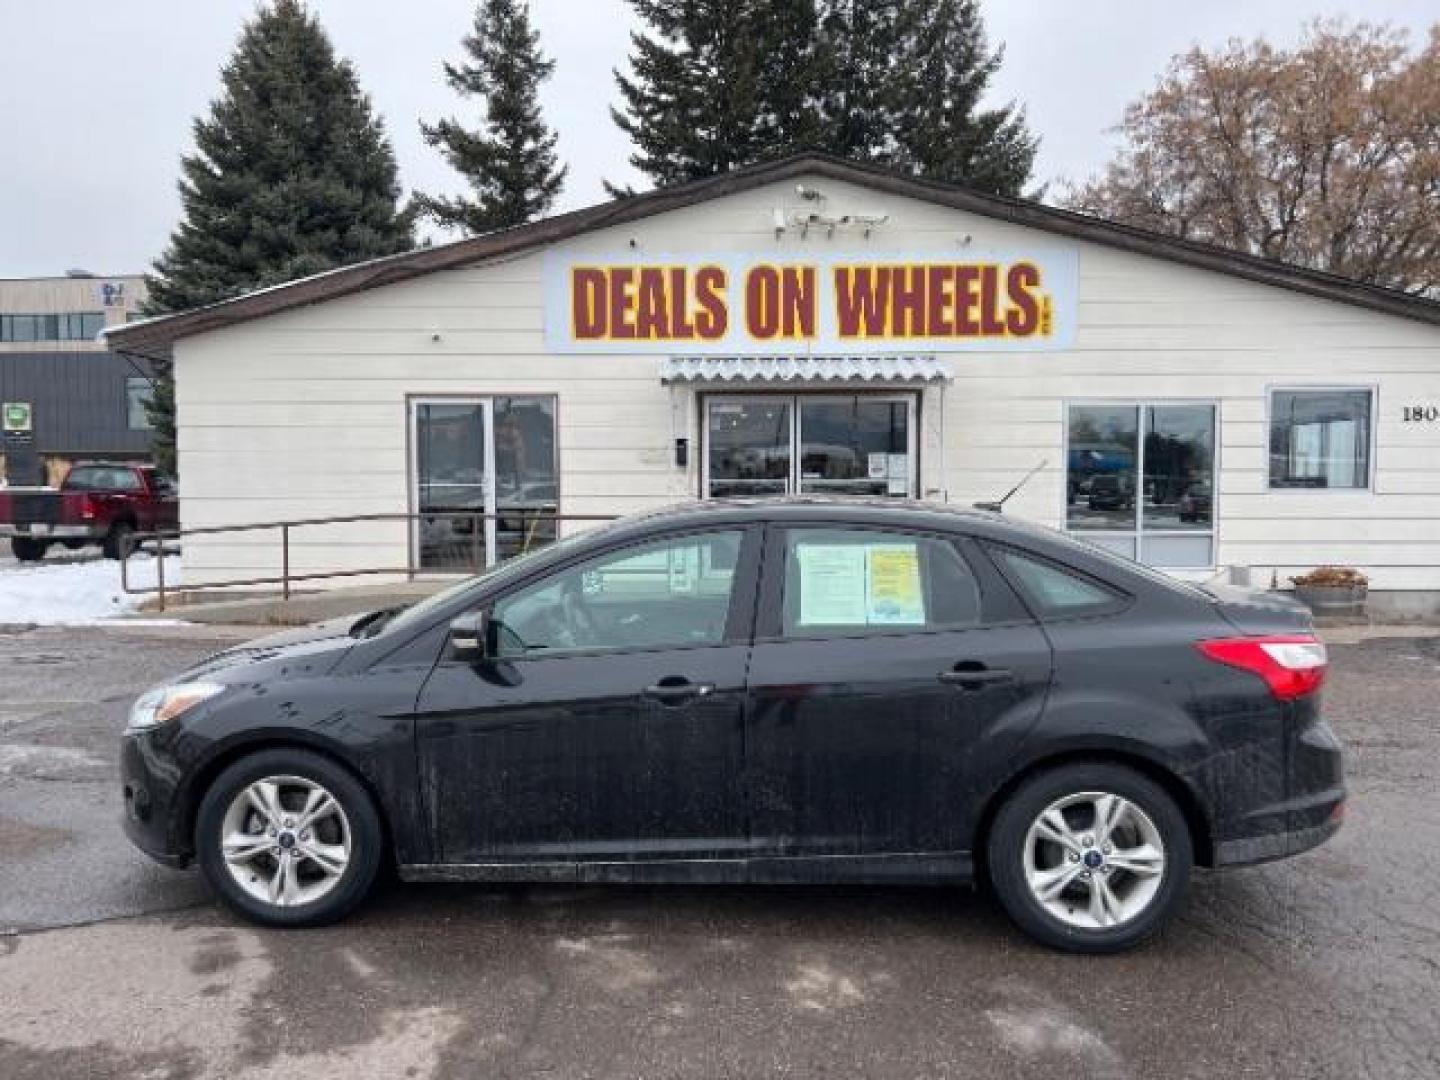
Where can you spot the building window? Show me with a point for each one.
(1320, 438)
(835, 444)
(484, 478)
(1140, 480)
(65, 326)
(138, 393)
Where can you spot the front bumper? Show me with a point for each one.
(153, 812)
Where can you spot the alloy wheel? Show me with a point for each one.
(1094, 860)
(286, 840)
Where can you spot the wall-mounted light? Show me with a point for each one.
(809, 194)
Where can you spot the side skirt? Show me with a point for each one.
(941, 868)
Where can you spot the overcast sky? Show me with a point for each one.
(96, 97)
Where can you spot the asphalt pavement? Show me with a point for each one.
(1324, 966)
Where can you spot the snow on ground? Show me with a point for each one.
(69, 594)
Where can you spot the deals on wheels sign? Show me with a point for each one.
(840, 303)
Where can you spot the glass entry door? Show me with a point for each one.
(474, 459)
(838, 444)
(453, 479)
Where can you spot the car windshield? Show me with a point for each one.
(415, 614)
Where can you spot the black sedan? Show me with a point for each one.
(771, 691)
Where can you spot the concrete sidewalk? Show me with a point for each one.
(271, 609)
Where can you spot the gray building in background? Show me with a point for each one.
(84, 401)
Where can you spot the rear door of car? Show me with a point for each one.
(889, 665)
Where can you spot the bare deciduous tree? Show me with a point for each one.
(1326, 155)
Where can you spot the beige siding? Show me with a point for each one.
(304, 414)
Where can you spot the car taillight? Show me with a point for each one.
(87, 507)
(1291, 665)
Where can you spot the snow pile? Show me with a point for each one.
(67, 594)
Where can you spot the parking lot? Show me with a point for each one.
(1326, 966)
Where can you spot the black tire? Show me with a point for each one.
(27, 548)
(1005, 855)
(366, 837)
(117, 542)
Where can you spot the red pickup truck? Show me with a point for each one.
(98, 503)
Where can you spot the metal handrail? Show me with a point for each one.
(286, 579)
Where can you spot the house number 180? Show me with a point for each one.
(1421, 414)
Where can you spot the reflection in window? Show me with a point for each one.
(1102, 464)
(525, 474)
(138, 393)
(749, 448)
(1140, 480)
(854, 446)
(1320, 438)
(666, 593)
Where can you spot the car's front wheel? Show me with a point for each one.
(1090, 857)
(289, 838)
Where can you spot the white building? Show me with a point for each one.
(814, 325)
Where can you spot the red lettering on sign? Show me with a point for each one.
(797, 301)
(966, 279)
(1023, 318)
(622, 302)
(939, 311)
(681, 328)
(861, 301)
(587, 299)
(652, 318)
(908, 318)
(712, 321)
(991, 323)
(762, 302)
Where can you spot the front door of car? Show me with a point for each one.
(609, 724)
(888, 667)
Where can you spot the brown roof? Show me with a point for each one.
(153, 338)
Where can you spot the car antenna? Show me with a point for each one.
(999, 507)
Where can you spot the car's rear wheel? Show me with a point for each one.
(1090, 857)
(289, 838)
(27, 549)
(117, 542)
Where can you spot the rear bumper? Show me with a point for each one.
(42, 531)
(1259, 849)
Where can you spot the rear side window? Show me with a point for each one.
(856, 580)
(1054, 592)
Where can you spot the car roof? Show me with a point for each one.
(815, 507)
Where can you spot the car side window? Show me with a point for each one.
(1054, 592)
(667, 593)
(863, 580)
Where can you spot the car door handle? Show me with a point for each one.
(969, 677)
(673, 691)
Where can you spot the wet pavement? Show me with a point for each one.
(1324, 966)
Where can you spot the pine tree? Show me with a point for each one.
(895, 82)
(941, 131)
(716, 84)
(510, 162)
(292, 174)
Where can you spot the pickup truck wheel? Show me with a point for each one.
(117, 541)
(27, 548)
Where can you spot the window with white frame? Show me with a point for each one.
(1320, 437)
(1140, 479)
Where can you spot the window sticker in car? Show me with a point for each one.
(860, 585)
(894, 595)
(832, 584)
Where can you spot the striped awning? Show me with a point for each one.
(769, 369)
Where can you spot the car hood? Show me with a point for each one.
(305, 650)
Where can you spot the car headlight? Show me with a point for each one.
(165, 703)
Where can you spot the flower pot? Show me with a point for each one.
(1334, 600)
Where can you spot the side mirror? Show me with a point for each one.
(470, 637)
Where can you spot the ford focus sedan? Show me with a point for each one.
(775, 691)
